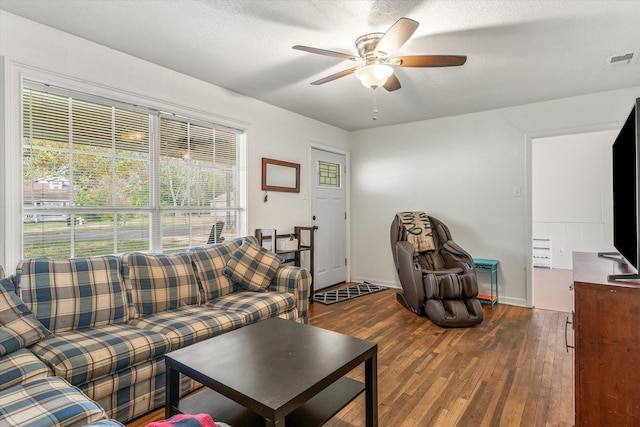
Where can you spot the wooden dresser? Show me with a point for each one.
(607, 343)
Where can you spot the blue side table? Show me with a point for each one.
(490, 267)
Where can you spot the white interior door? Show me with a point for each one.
(329, 212)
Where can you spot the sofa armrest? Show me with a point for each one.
(297, 281)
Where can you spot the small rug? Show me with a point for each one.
(343, 294)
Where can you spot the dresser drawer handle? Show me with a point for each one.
(566, 330)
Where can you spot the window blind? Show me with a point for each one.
(198, 180)
(98, 178)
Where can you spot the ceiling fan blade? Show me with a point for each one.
(396, 36)
(392, 83)
(324, 52)
(335, 76)
(429, 60)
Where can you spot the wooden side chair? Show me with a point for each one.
(215, 234)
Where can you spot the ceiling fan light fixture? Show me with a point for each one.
(374, 75)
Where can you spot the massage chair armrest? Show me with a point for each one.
(410, 275)
(455, 256)
(444, 272)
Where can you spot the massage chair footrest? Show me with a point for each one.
(455, 313)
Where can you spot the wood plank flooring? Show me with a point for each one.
(511, 370)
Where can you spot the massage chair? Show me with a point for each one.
(438, 277)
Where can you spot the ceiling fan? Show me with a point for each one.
(375, 51)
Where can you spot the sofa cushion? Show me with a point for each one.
(47, 402)
(255, 306)
(21, 367)
(75, 293)
(81, 356)
(188, 325)
(209, 263)
(252, 266)
(161, 282)
(18, 327)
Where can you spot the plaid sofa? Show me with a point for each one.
(109, 320)
(30, 395)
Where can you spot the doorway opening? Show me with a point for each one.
(572, 208)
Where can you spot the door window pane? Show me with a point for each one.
(328, 174)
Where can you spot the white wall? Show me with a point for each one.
(465, 170)
(563, 166)
(45, 52)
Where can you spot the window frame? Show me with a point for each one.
(13, 77)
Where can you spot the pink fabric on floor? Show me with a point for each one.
(185, 420)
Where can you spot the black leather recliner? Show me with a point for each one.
(438, 277)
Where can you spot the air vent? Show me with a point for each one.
(628, 58)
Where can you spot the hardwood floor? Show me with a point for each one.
(511, 370)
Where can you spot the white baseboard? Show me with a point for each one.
(519, 302)
(395, 285)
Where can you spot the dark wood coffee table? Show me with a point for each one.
(272, 372)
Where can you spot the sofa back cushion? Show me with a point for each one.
(18, 327)
(159, 282)
(209, 263)
(74, 293)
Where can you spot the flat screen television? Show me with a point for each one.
(626, 194)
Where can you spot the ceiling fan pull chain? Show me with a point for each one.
(375, 103)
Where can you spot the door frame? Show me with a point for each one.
(529, 137)
(311, 180)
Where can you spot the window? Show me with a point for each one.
(198, 176)
(103, 177)
(328, 174)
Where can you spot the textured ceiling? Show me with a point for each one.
(519, 51)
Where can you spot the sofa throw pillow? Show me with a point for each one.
(18, 327)
(252, 266)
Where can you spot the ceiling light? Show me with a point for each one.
(374, 75)
(133, 136)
